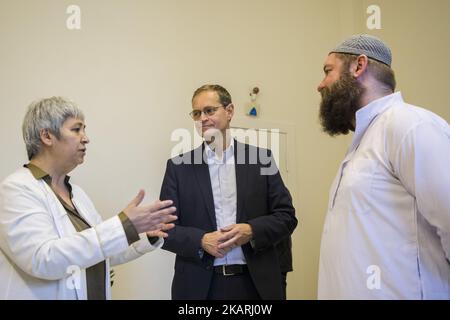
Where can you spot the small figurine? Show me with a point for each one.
(253, 106)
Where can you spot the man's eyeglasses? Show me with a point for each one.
(208, 111)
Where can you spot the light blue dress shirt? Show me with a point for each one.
(223, 182)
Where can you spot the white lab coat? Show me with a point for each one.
(41, 254)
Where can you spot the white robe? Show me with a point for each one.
(387, 230)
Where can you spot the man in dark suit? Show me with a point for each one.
(235, 215)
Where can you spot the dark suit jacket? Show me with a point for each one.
(263, 201)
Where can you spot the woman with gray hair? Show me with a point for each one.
(53, 243)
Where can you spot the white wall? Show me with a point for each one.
(419, 35)
(134, 65)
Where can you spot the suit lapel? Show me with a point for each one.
(241, 178)
(204, 181)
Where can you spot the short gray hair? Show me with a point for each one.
(48, 113)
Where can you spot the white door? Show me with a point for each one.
(272, 139)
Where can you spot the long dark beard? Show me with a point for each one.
(339, 105)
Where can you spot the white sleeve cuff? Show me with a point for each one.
(143, 246)
(111, 236)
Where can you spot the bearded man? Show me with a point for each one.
(387, 230)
